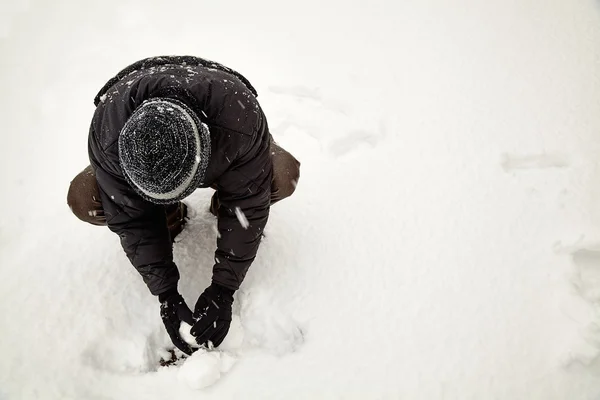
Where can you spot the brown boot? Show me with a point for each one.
(83, 198)
(176, 218)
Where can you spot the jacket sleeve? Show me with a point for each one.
(142, 227)
(244, 192)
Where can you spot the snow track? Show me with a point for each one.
(442, 242)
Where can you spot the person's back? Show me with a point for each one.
(163, 127)
(218, 97)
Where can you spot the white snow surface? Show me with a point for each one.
(443, 241)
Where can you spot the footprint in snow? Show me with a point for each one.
(586, 282)
(354, 140)
(512, 162)
(587, 264)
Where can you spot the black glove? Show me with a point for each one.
(173, 310)
(213, 315)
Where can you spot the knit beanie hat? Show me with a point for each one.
(164, 150)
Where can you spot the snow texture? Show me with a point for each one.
(443, 241)
(235, 337)
(242, 218)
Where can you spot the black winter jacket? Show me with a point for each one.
(239, 169)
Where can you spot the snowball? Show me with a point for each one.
(201, 369)
(184, 332)
(204, 367)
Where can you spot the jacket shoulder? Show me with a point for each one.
(162, 61)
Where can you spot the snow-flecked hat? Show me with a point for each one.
(164, 150)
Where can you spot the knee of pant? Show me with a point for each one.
(82, 193)
(76, 203)
(287, 182)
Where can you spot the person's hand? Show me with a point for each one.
(212, 315)
(173, 311)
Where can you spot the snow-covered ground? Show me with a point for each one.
(443, 243)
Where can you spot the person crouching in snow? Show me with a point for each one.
(163, 127)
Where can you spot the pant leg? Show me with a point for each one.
(176, 218)
(83, 198)
(286, 173)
